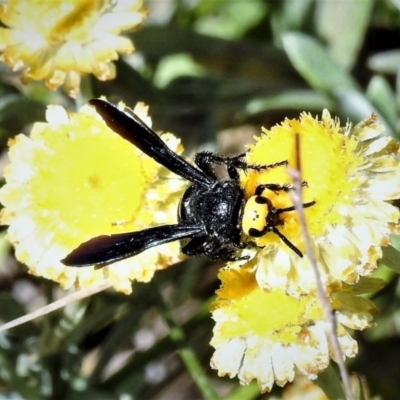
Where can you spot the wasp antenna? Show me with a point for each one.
(288, 242)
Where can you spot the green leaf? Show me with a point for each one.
(316, 65)
(343, 25)
(290, 15)
(291, 99)
(381, 95)
(330, 383)
(367, 285)
(174, 66)
(386, 62)
(391, 258)
(229, 19)
(249, 392)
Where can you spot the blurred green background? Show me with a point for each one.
(213, 72)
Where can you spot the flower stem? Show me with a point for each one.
(187, 355)
(295, 175)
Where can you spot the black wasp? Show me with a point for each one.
(213, 213)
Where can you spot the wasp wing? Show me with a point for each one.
(107, 249)
(129, 126)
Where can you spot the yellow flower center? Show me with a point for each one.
(328, 165)
(272, 315)
(89, 174)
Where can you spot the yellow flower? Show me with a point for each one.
(271, 336)
(59, 40)
(74, 179)
(352, 174)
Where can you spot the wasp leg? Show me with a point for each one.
(276, 187)
(205, 160)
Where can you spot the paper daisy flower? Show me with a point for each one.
(59, 40)
(271, 336)
(74, 179)
(352, 174)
